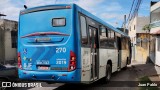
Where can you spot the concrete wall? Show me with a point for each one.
(155, 6)
(157, 61)
(142, 47)
(138, 23)
(2, 49)
(135, 27)
(132, 33)
(155, 17)
(141, 22)
(155, 29)
(8, 53)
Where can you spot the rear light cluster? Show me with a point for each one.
(68, 7)
(19, 61)
(72, 62)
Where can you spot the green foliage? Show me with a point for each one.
(145, 80)
(146, 27)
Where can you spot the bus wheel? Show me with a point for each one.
(108, 72)
(126, 64)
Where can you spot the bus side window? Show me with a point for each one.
(109, 33)
(84, 37)
(111, 39)
(103, 37)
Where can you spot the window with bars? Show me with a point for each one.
(14, 39)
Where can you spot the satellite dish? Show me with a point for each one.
(25, 6)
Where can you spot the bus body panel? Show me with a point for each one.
(76, 28)
(86, 64)
(53, 48)
(105, 55)
(50, 76)
(103, 62)
(124, 58)
(55, 51)
(124, 52)
(109, 52)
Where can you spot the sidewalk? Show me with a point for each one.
(141, 69)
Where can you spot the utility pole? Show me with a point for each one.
(124, 24)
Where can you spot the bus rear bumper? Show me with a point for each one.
(49, 76)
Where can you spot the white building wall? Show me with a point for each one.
(132, 30)
(155, 19)
(155, 6)
(132, 34)
(157, 61)
(155, 16)
(135, 26)
(138, 23)
(153, 30)
(141, 22)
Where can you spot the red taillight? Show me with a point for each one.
(19, 61)
(72, 62)
(68, 7)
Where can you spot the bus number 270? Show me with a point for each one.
(61, 50)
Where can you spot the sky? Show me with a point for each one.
(111, 11)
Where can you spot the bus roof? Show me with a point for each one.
(48, 7)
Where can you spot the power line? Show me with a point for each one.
(136, 8)
(135, 11)
(130, 10)
(129, 13)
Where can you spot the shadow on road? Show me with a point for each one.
(119, 79)
(126, 79)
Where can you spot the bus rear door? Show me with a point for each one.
(119, 52)
(94, 52)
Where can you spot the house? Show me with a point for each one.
(139, 38)
(155, 33)
(122, 29)
(8, 41)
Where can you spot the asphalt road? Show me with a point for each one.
(120, 81)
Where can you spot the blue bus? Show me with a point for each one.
(65, 43)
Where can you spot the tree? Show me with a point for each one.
(146, 27)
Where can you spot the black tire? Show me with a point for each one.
(125, 68)
(108, 73)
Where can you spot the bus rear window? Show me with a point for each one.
(58, 22)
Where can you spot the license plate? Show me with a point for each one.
(43, 68)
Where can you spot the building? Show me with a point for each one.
(155, 33)
(8, 41)
(139, 38)
(122, 29)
